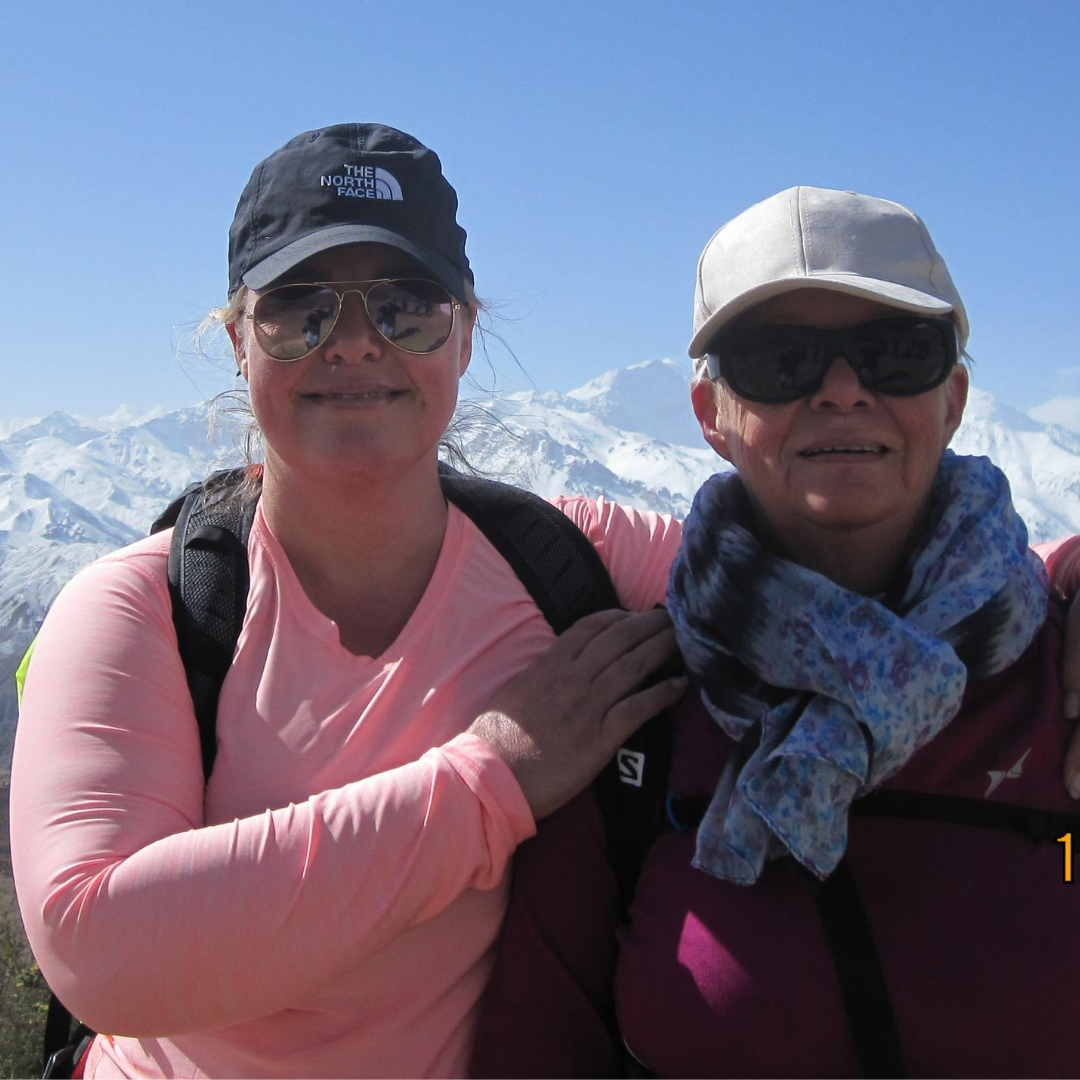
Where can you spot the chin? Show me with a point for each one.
(844, 514)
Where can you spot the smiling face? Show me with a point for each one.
(844, 460)
(357, 403)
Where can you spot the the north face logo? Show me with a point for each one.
(363, 182)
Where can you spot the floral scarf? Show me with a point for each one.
(828, 692)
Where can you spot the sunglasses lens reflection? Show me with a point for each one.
(905, 363)
(414, 315)
(294, 320)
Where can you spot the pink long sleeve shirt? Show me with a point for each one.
(328, 904)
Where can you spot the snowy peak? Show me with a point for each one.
(125, 416)
(652, 397)
(1042, 462)
(982, 405)
(57, 425)
(609, 437)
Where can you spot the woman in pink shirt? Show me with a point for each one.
(395, 717)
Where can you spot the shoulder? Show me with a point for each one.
(133, 578)
(1062, 558)
(637, 546)
(600, 518)
(145, 560)
(109, 628)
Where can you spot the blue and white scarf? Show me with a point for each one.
(828, 692)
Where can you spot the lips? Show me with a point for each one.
(845, 450)
(372, 394)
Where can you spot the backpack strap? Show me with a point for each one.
(549, 554)
(65, 1060)
(631, 793)
(1037, 825)
(208, 584)
(684, 813)
(567, 580)
(863, 988)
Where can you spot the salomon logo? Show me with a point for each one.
(631, 766)
(363, 182)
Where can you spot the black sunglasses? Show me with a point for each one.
(413, 314)
(774, 364)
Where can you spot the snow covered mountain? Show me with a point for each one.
(72, 489)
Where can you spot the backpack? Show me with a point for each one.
(208, 586)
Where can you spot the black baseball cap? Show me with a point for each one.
(347, 184)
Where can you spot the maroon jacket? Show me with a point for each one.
(975, 927)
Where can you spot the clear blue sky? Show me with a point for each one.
(595, 148)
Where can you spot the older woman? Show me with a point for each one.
(880, 709)
(395, 715)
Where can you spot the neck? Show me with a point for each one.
(864, 560)
(362, 548)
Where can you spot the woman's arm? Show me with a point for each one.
(235, 921)
(636, 546)
(147, 922)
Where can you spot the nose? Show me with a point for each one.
(354, 338)
(841, 389)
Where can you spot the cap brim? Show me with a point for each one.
(887, 292)
(265, 273)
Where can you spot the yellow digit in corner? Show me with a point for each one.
(1067, 841)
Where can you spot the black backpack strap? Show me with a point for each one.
(546, 550)
(631, 793)
(862, 982)
(208, 583)
(567, 580)
(68, 1046)
(1037, 825)
(57, 1034)
(167, 518)
(208, 570)
(684, 813)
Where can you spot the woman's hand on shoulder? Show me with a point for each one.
(559, 721)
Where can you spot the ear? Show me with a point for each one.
(705, 397)
(238, 350)
(956, 394)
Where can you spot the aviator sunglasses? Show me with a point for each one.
(774, 364)
(413, 314)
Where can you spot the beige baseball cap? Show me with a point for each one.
(817, 238)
